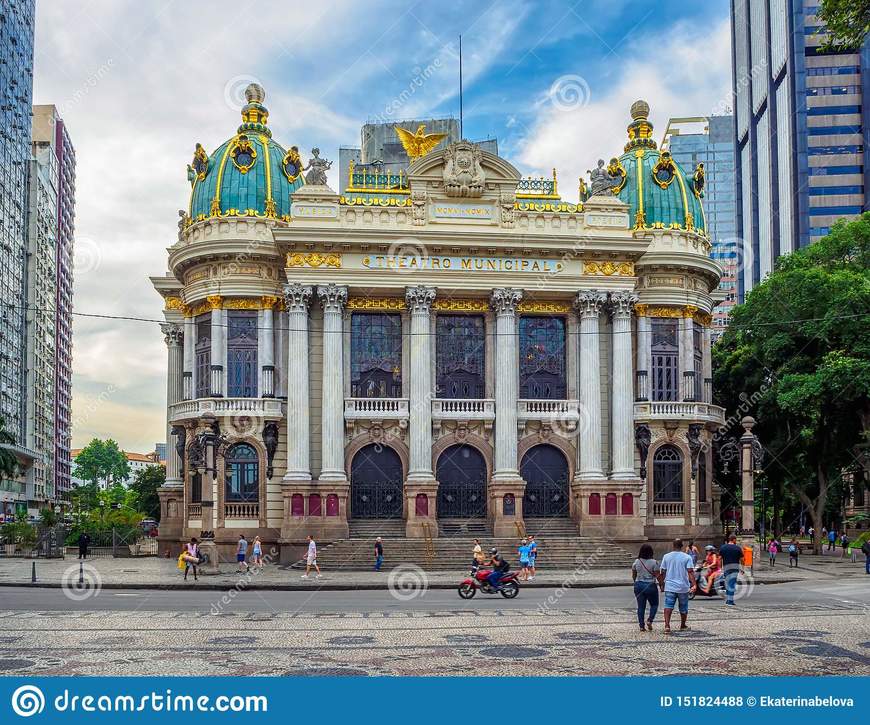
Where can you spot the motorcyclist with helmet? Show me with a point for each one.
(711, 567)
(499, 568)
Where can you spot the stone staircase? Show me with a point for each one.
(559, 547)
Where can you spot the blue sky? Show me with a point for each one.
(139, 83)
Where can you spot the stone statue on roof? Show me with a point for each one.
(600, 181)
(319, 167)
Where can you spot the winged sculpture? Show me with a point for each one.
(420, 143)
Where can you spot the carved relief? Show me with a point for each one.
(418, 208)
(589, 304)
(297, 297)
(463, 175)
(504, 300)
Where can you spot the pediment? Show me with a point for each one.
(463, 170)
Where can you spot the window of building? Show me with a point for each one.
(668, 474)
(242, 354)
(243, 473)
(460, 343)
(202, 355)
(665, 359)
(828, 190)
(542, 358)
(376, 355)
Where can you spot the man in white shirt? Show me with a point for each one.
(679, 580)
(312, 558)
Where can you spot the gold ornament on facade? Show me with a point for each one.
(617, 171)
(174, 303)
(420, 143)
(241, 303)
(460, 305)
(664, 171)
(215, 209)
(677, 312)
(241, 149)
(609, 269)
(268, 302)
(542, 307)
(380, 304)
(314, 259)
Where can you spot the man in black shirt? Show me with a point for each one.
(499, 568)
(379, 553)
(732, 557)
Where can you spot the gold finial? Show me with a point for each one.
(640, 129)
(254, 111)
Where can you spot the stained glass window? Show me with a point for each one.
(668, 474)
(665, 362)
(243, 473)
(376, 355)
(542, 358)
(242, 354)
(202, 354)
(460, 341)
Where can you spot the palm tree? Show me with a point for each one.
(8, 462)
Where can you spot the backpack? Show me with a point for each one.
(865, 548)
(792, 549)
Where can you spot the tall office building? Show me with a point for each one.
(799, 121)
(50, 131)
(16, 87)
(710, 141)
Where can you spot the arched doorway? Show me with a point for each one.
(545, 471)
(461, 474)
(376, 483)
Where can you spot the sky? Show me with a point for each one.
(140, 82)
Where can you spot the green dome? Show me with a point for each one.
(661, 194)
(248, 175)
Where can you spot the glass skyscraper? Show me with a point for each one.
(799, 121)
(710, 141)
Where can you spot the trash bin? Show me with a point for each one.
(747, 557)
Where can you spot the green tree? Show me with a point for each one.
(101, 462)
(8, 462)
(143, 490)
(847, 21)
(797, 358)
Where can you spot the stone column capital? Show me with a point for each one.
(173, 333)
(505, 300)
(332, 296)
(589, 303)
(419, 299)
(297, 296)
(622, 303)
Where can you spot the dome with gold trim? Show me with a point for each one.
(248, 175)
(661, 194)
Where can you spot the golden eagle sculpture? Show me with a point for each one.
(420, 143)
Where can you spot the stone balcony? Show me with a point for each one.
(381, 410)
(463, 410)
(261, 408)
(688, 411)
(564, 414)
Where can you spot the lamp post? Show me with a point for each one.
(205, 449)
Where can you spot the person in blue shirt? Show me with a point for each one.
(533, 555)
(832, 539)
(523, 551)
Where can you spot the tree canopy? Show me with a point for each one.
(101, 462)
(143, 490)
(797, 357)
(8, 461)
(847, 21)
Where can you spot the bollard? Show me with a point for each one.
(33, 573)
(81, 574)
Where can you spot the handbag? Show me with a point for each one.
(657, 575)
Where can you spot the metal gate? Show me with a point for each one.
(461, 478)
(545, 471)
(376, 485)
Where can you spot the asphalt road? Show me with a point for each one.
(847, 592)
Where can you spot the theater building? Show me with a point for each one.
(452, 344)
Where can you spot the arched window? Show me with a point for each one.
(668, 474)
(243, 473)
(196, 488)
(542, 358)
(242, 354)
(665, 365)
(421, 505)
(376, 355)
(460, 342)
(509, 505)
(202, 355)
(594, 504)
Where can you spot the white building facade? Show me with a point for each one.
(459, 345)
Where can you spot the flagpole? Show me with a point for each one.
(460, 88)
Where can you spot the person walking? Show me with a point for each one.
(865, 549)
(379, 553)
(242, 553)
(477, 554)
(812, 533)
(694, 552)
(311, 559)
(732, 557)
(793, 551)
(772, 549)
(257, 552)
(84, 543)
(533, 556)
(646, 573)
(679, 580)
(832, 540)
(844, 543)
(523, 552)
(191, 558)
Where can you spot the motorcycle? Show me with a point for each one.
(717, 590)
(508, 585)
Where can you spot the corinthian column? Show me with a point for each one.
(419, 300)
(622, 426)
(504, 302)
(173, 336)
(589, 305)
(297, 298)
(333, 299)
